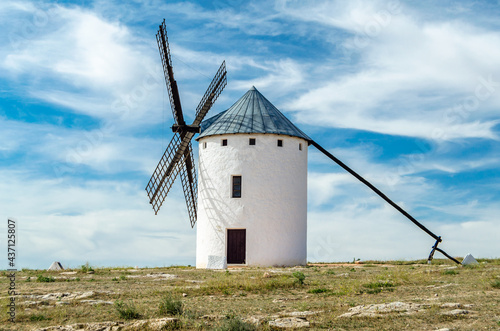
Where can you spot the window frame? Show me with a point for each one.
(223, 142)
(280, 143)
(236, 186)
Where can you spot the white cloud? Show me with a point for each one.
(411, 76)
(103, 222)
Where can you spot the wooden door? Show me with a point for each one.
(236, 246)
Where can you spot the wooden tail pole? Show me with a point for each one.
(392, 203)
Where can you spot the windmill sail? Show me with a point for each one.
(178, 157)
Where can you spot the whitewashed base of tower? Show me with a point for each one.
(273, 205)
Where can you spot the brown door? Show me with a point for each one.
(236, 244)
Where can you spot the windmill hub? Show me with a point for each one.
(186, 128)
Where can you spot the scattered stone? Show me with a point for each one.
(302, 313)
(55, 266)
(63, 296)
(90, 272)
(289, 323)
(152, 324)
(469, 260)
(213, 317)
(279, 300)
(358, 262)
(456, 312)
(255, 320)
(184, 294)
(97, 302)
(375, 310)
(451, 305)
(68, 273)
(33, 303)
(161, 275)
(441, 286)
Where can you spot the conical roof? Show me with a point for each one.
(252, 113)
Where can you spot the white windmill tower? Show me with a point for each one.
(252, 197)
(252, 202)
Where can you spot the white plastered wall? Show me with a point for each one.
(273, 206)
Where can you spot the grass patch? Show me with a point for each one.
(377, 287)
(207, 305)
(169, 306)
(43, 279)
(235, 324)
(127, 311)
(450, 272)
(38, 317)
(300, 277)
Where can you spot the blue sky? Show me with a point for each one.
(405, 93)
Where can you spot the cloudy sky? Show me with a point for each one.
(406, 93)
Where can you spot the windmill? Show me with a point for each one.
(253, 178)
(178, 156)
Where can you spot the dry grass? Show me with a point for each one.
(224, 300)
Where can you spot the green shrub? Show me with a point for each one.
(38, 317)
(495, 284)
(126, 310)
(170, 306)
(43, 279)
(299, 276)
(450, 272)
(122, 277)
(318, 290)
(87, 267)
(377, 287)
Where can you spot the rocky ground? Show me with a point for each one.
(391, 296)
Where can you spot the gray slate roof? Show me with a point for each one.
(252, 113)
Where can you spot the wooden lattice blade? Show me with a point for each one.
(190, 184)
(214, 90)
(173, 92)
(164, 175)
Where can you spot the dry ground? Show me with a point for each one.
(390, 295)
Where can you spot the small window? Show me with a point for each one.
(236, 187)
(300, 147)
(205, 144)
(280, 143)
(224, 142)
(251, 141)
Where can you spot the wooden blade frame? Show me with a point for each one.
(164, 175)
(168, 72)
(178, 157)
(213, 91)
(189, 184)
